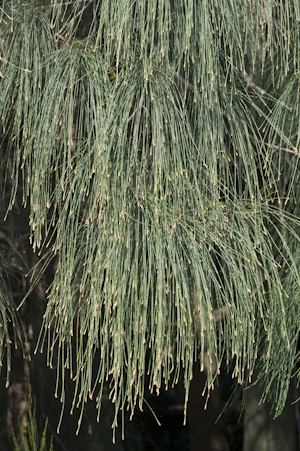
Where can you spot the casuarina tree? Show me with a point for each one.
(155, 144)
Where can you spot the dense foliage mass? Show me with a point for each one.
(156, 145)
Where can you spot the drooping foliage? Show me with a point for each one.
(156, 143)
(11, 330)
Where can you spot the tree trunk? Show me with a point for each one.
(261, 431)
(205, 434)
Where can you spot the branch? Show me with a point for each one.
(250, 82)
(285, 149)
(56, 5)
(10, 18)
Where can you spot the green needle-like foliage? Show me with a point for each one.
(30, 440)
(169, 193)
(10, 325)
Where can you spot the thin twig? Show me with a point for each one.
(285, 149)
(131, 116)
(56, 5)
(10, 18)
(295, 152)
(250, 82)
